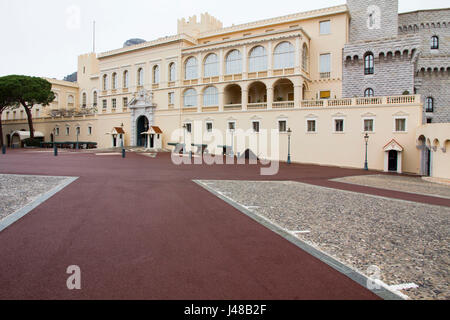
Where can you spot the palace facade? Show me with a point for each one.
(331, 76)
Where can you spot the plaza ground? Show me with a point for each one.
(140, 228)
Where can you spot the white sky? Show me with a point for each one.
(42, 38)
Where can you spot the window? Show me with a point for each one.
(325, 65)
(400, 125)
(368, 125)
(171, 98)
(429, 120)
(191, 69)
(325, 94)
(311, 126)
(211, 65)
(125, 79)
(156, 74)
(188, 127)
(67, 131)
(339, 125)
(255, 125)
(282, 125)
(325, 27)
(84, 99)
(95, 98)
(105, 82)
(429, 104)
(172, 72)
(305, 59)
(209, 127)
(105, 104)
(368, 92)
(190, 98)
(258, 59)
(284, 56)
(114, 104)
(125, 103)
(140, 77)
(56, 131)
(231, 125)
(77, 130)
(434, 42)
(233, 62)
(90, 130)
(114, 81)
(368, 64)
(211, 97)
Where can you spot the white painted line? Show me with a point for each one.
(108, 154)
(300, 232)
(404, 286)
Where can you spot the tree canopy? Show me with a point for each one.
(26, 91)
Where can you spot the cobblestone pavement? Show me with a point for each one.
(408, 241)
(400, 183)
(16, 191)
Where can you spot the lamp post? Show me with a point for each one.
(184, 138)
(366, 140)
(121, 141)
(78, 133)
(289, 132)
(232, 142)
(55, 147)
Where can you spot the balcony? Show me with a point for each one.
(257, 106)
(232, 107)
(368, 101)
(254, 75)
(325, 75)
(233, 77)
(283, 105)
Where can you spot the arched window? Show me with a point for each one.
(190, 98)
(233, 62)
(125, 79)
(114, 81)
(95, 98)
(156, 74)
(191, 69)
(305, 57)
(368, 63)
(434, 42)
(429, 104)
(140, 77)
(105, 82)
(368, 92)
(84, 99)
(211, 97)
(172, 72)
(258, 59)
(284, 56)
(211, 66)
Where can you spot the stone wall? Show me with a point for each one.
(435, 84)
(386, 26)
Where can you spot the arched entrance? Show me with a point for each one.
(142, 125)
(8, 140)
(393, 160)
(393, 157)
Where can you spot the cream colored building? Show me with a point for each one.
(275, 74)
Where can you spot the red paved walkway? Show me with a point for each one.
(139, 228)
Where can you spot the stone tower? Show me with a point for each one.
(373, 19)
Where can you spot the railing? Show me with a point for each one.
(283, 105)
(257, 106)
(402, 99)
(367, 101)
(312, 103)
(325, 75)
(232, 107)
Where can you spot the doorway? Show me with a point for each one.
(152, 141)
(393, 160)
(142, 126)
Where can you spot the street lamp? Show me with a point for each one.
(184, 138)
(122, 135)
(289, 132)
(78, 133)
(366, 140)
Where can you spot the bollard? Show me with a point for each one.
(4, 149)
(55, 150)
(123, 153)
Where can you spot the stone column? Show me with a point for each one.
(298, 51)
(244, 99)
(244, 63)
(298, 92)
(269, 98)
(269, 59)
(221, 99)
(200, 67)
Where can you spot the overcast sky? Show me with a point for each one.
(44, 38)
